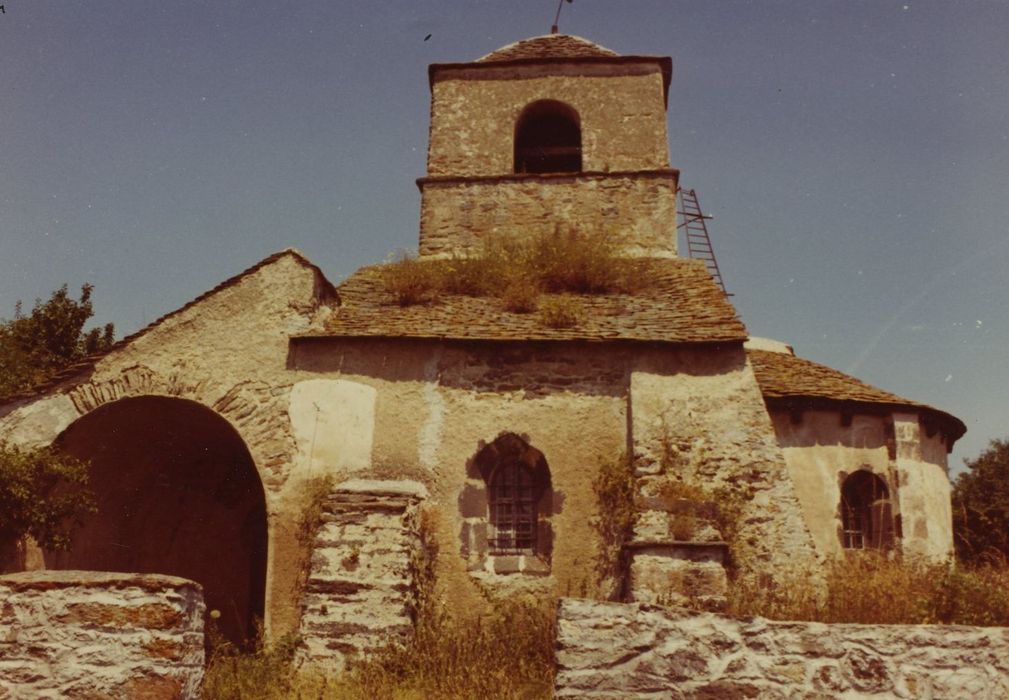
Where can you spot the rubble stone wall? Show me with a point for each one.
(635, 210)
(607, 650)
(698, 416)
(621, 112)
(84, 634)
(362, 584)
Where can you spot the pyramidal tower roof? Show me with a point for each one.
(548, 46)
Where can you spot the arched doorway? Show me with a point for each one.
(177, 493)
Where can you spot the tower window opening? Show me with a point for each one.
(548, 139)
(866, 513)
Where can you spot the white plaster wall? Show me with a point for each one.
(333, 422)
(819, 451)
(924, 492)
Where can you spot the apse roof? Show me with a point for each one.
(547, 46)
(785, 378)
(681, 304)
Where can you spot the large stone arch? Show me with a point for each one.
(178, 493)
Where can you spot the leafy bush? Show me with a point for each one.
(36, 346)
(981, 505)
(43, 493)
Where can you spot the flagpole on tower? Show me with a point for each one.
(557, 17)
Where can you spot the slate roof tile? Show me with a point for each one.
(682, 304)
(548, 46)
(784, 377)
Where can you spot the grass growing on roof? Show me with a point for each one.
(518, 270)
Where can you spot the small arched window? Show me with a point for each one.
(512, 509)
(866, 512)
(548, 139)
(519, 497)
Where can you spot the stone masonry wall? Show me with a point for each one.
(621, 111)
(638, 210)
(698, 416)
(361, 584)
(96, 635)
(614, 650)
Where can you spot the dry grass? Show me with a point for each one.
(561, 311)
(507, 653)
(872, 588)
(517, 271)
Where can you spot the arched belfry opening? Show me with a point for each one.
(177, 493)
(548, 139)
(867, 520)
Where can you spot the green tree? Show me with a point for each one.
(43, 493)
(34, 347)
(981, 505)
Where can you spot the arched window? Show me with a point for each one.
(512, 509)
(866, 512)
(548, 139)
(519, 498)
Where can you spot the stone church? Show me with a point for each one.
(206, 428)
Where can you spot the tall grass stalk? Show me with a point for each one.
(872, 588)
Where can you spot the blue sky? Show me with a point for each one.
(855, 156)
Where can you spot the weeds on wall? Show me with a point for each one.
(615, 489)
(313, 502)
(518, 270)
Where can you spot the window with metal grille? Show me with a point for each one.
(512, 509)
(548, 139)
(866, 513)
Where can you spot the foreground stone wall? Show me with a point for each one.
(610, 650)
(361, 584)
(83, 634)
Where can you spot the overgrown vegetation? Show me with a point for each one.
(43, 494)
(507, 652)
(873, 588)
(518, 270)
(981, 506)
(615, 489)
(36, 346)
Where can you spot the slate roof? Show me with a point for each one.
(681, 305)
(548, 46)
(785, 378)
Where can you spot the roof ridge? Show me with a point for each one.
(537, 47)
(90, 360)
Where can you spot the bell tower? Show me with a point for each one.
(549, 132)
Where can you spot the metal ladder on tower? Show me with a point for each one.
(696, 233)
